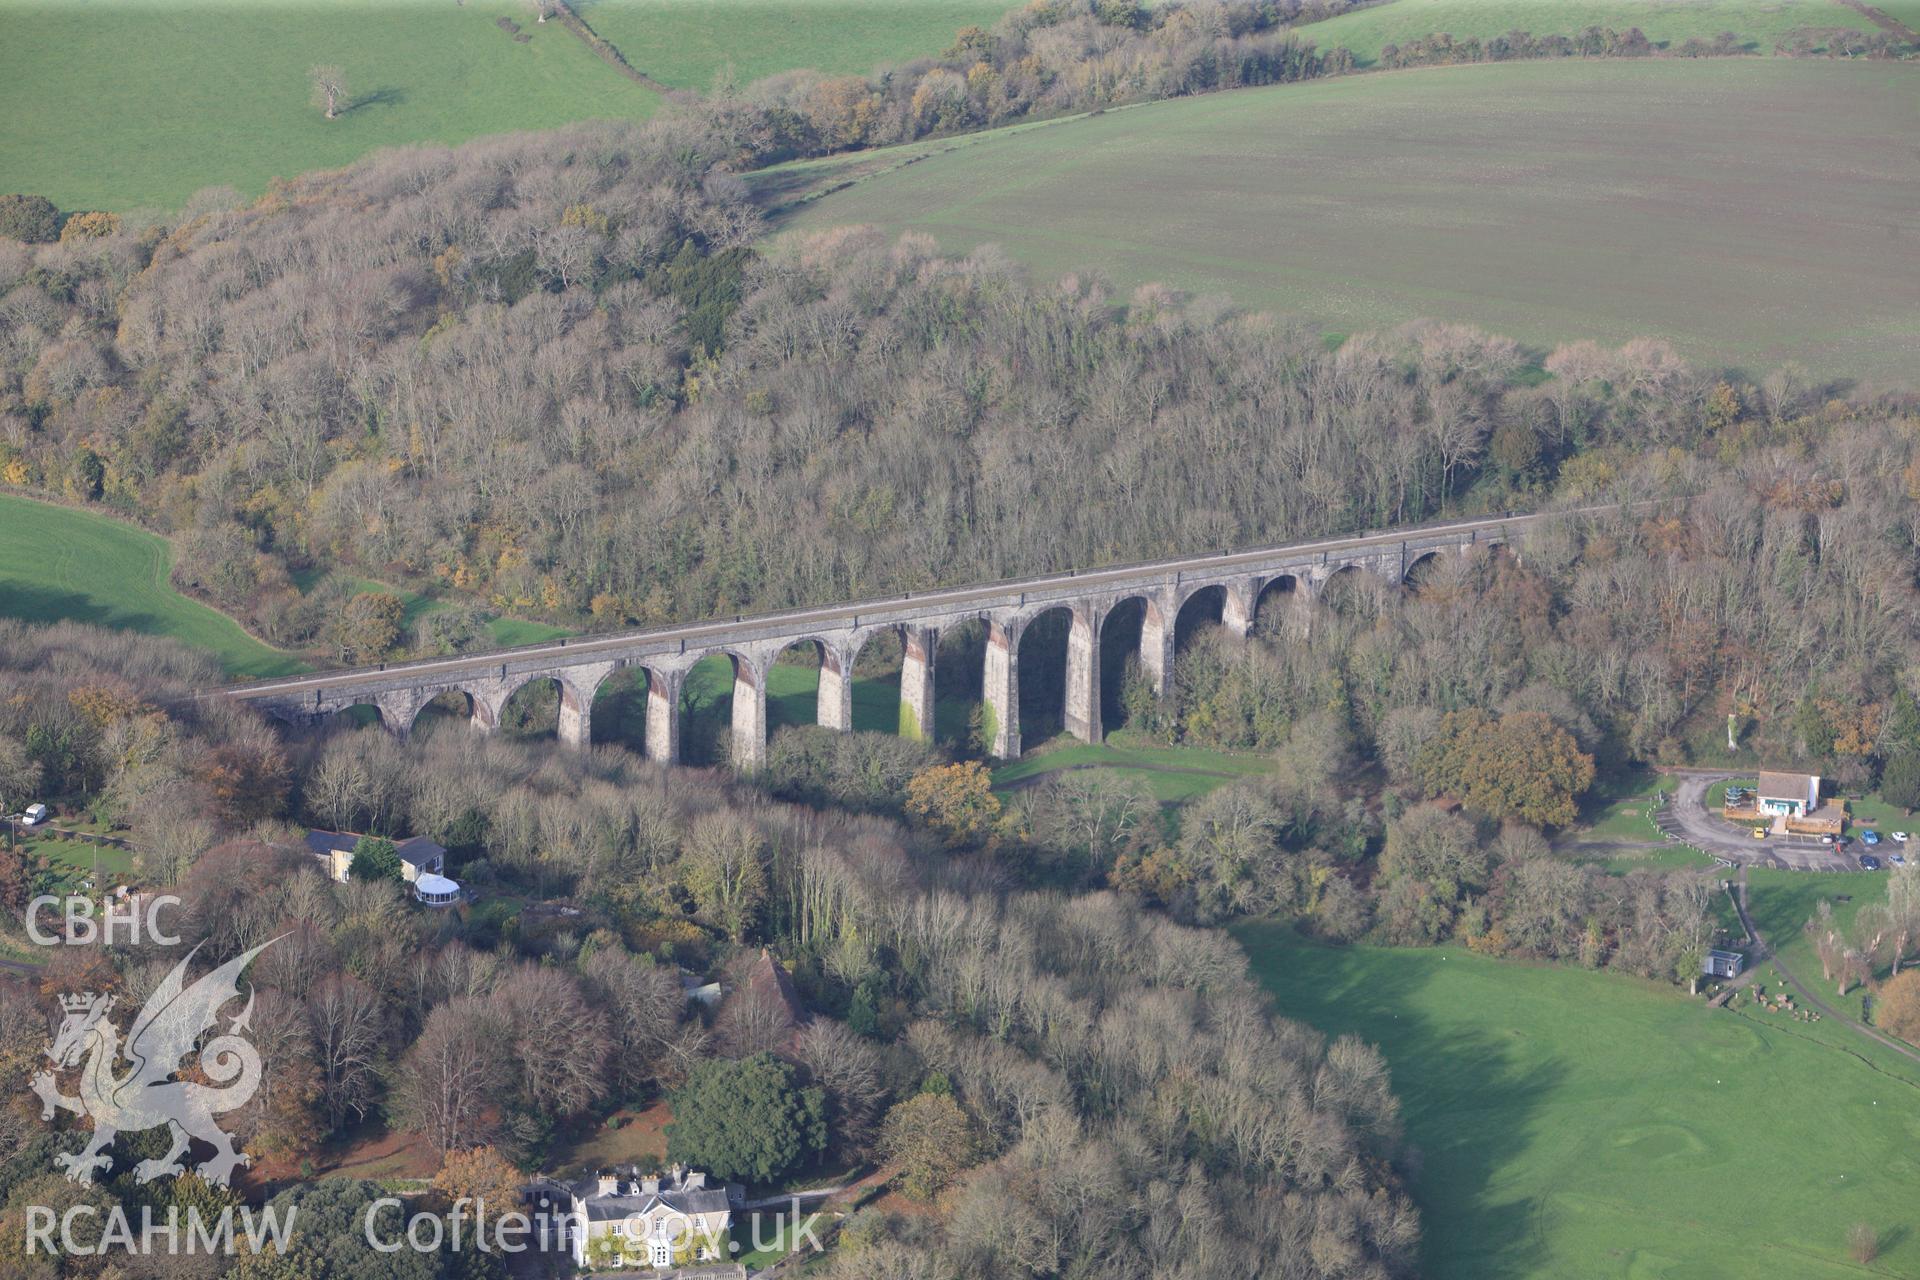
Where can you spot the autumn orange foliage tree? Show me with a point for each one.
(955, 800)
(1515, 766)
(1897, 1007)
(482, 1176)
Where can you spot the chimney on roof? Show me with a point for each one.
(650, 1185)
(609, 1184)
(695, 1181)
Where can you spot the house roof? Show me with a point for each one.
(689, 1201)
(767, 979)
(415, 851)
(691, 1204)
(1787, 786)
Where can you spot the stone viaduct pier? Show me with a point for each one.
(579, 665)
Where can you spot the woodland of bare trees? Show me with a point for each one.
(1054, 1023)
(548, 376)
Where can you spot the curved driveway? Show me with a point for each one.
(1688, 817)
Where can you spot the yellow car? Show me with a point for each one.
(1759, 833)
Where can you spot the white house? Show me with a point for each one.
(423, 863)
(625, 1218)
(1794, 795)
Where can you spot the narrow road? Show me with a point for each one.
(1688, 817)
(1900, 1047)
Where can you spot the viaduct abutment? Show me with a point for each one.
(579, 666)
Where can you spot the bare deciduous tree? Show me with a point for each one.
(451, 1079)
(329, 87)
(558, 1040)
(346, 1021)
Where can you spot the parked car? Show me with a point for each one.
(1869, 863)
(1869, 837)
(1826, 839)
(1841, 842)
(1899, 837)
(1759, 833)
(34, 816)
(1897, 860)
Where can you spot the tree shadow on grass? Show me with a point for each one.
(45, 604)
(1470, 1105)
(387, 97)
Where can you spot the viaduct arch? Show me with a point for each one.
(665, 654)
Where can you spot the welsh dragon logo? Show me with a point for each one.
(140, 1095)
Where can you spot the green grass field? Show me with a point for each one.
(1781, 902)
(117, 104)
(1618, 806)
(1666, 22)
(81, 859)
(1877, 813)
(1741, 208)
(1173, 775)
(58, 564)
(1572, 1124)
(684, 43)
(1905, 11)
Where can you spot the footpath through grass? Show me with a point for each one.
(1572, 1124)
(59, 564)
(1781, 903)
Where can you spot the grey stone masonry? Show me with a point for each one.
(581, 665)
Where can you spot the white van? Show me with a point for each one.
(35, 815)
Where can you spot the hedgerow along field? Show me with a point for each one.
(686, 43)
(140, 103)
(1668, 23)
(57, 564)
(1744, 209)
(1577, 1124)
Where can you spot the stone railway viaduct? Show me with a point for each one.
(580, 665)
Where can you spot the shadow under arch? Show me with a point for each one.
(1206, 607)
(531, 712)
(1042, 656)
(448, 709)
(1276, 596)
(959, 671)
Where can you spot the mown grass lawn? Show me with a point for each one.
(59, 564)
(1618, 806)
(1550, 201)
(1883, 817)
(1654, 857)
(765, 1238)
(143, 102)
(1570, 1124)
(79, 859)
(1667, 23)
(1172, 775)
(1781, 903)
